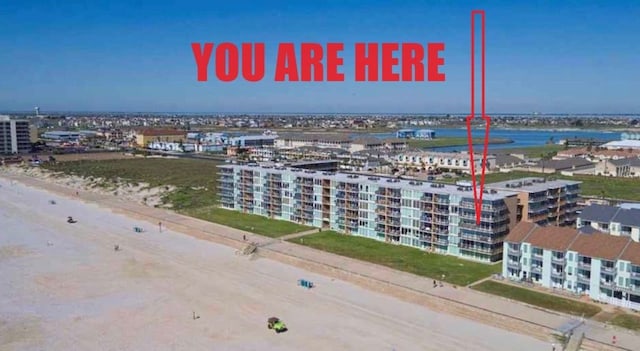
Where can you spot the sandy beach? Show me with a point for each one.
(67, 289)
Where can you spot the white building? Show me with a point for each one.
(430, 160)
(318, 140)
(604, 267)
(613, 220)
(623, 144)
(15, 136)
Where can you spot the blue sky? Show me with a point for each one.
(542, 56)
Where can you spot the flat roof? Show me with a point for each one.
(388, 182)
(531, 184)
(254, 137)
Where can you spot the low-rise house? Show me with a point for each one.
(504, 161)
(296, 140)
(573, 164)
(431, 160)
(253, 141)
(602, 266)
(416, 134)
(366, 144)
(621, 167)
(612, 220)
(146, 136)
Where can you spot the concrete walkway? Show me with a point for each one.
(459, 301)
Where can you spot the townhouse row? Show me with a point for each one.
(605, 267)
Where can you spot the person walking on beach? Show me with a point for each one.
(160, 227)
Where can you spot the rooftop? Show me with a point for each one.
(531, 184)
(314, 137)
(590, 244)
(159, 132)
(565, 163)
(388, 182)
(606, 214)
(458, 155)
(254, 137)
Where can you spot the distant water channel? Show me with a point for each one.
(521, 138)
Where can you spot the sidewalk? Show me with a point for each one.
(460, 301)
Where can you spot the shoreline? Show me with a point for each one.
(282, 252)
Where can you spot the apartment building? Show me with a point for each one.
(15, 136)
(144, 137)
(544, 201)
(452, 161)
(612, 220)
(430, 216)
(296, 140)
(602, 266)
(621, 167)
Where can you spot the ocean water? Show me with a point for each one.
(521, 138)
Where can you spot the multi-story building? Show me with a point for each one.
(436, 217)
(15, 136)
(144, 137)
(253, 141)
(416, 133)
(452, 161)
(602, 266)
(296, 140)
(544, 201)
(612, 220)
(621, 167)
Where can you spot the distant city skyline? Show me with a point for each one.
(576, 57)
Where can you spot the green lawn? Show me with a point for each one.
(452, 141)
(629, 321)
(248, 222)
(195, 194)
(539, 299)
(534, 151)
(195, 180)
(456, 271)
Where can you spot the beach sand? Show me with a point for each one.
(65, 288)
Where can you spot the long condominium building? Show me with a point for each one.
(604, 267)
(544, 201)
(436, 217)
(15, 136)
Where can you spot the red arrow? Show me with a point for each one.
(477, 197)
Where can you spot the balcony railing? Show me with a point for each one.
(514, 252)
(584, 265)
(557, 274)
(514, 264)
(608, 270)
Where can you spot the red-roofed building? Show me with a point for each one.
(604, 267)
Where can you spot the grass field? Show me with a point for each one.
(628, 321)
(539, 299)
(452, 141)
(195, 180)
(195, 194)
(533, 151)
(247, 222)
(407, 259)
